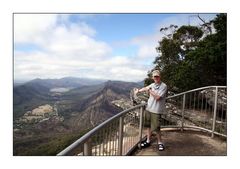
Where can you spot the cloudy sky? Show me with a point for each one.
(101, 46)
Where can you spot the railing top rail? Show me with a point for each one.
(85, 137)
(189, 91)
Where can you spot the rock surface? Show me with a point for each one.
(209, 95)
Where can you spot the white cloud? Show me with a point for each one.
(67, 49)
(147, 51)
(147, 47)
(28, 27)
(72, 42)
(34, 65)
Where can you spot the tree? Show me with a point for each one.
(190, 57)
(210, 58)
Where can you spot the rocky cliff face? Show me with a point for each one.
(209, 95)
(96, 109)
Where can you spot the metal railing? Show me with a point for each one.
(116, 136)
(202, 108)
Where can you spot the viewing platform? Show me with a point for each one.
(195, 125)
(186, 143)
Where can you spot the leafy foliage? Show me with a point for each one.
(191, 57)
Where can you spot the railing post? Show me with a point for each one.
(141, 110)
(183, 108)
(87, 148)
(120, 137)
(215, 111)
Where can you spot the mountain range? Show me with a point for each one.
(38, 91)
(75, 105)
